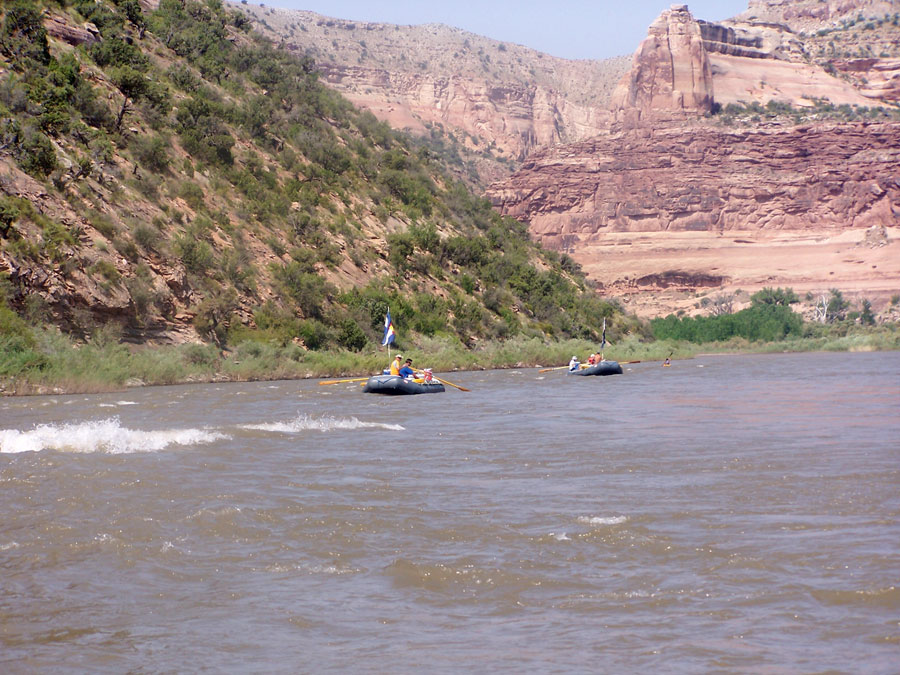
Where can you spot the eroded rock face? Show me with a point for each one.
(710, 179)
(811, 14)
(879, 78)
(845, 51)
(516, 118)
(670, 73)
(58, 27)
(490, 95)
(670, 203)
(659, 216)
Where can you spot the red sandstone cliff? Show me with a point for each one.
(670, 73)
(672, 201)
(705, 178)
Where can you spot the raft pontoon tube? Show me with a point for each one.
(602, 368)
(394, 385)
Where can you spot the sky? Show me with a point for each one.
(570, 29)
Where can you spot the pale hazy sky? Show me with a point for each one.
(572, 29)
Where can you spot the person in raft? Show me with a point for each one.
(592, 359)
(574, 364)
(396, 364)
(406, 372)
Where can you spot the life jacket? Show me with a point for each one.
(395, 368)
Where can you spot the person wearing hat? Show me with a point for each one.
(407, 371)
(574, 364)
(396, 363)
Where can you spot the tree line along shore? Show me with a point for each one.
(48, 362)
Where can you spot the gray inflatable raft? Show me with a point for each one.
(602, 368)
(394, 385)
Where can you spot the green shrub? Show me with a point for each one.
(36, 154)
(192, 193)
(196, 254)
(152, 153)
(400, 247)
(146, 236)
(23, 36)
(350, 336)
(308, 290)
(760, 322)
(107, 270)
(315, 334)
(200, 355)
(9, 213)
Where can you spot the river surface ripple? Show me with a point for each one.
(730, 513)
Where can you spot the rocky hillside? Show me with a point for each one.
(742, 156)
(500, 99)
(171, 176)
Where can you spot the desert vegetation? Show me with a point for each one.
(754, 113)
(177, 143)
(173, 178)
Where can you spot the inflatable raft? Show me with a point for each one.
(602, 368)
(394, 385)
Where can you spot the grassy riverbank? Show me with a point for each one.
(52, 363)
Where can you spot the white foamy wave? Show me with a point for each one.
(561, 536)
(117, 403)
(224, 511)
(613, 520)
(106, 436)
(280, 568)
(307, 423)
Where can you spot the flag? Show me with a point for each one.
(388, 330)
(603, 337)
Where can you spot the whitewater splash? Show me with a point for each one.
(103, 436)
(612, 520)
(307, 423)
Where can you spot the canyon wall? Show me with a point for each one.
(673, 200)
(710, 179)
(493, 96)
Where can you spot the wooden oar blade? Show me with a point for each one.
(451, 384)
(351, 379)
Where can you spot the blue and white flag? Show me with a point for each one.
(388, 330)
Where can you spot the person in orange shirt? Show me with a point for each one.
(396, 364)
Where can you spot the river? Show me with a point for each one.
(727, 514)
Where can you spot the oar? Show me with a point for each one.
(450, 383)
(352, 379)
(547, 370)
(623, 362)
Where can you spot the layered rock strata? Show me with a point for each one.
(494, 96)
(670, 203)
(814, 14)
(710, 179)
(657, 217)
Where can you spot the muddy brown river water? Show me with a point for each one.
(727, 514)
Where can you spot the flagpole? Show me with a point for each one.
(603, 340)
(386, 340)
